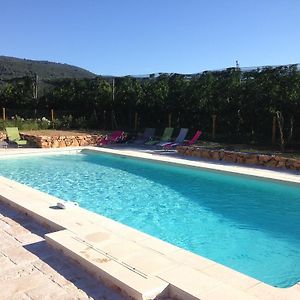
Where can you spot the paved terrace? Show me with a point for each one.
(138, 264)
(30, 269)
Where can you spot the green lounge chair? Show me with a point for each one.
(13, 136)
(166, 137)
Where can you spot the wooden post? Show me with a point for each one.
(52, 117)
(135, 121)
(214, 126)
(170, 120)
(3, 114)
(274, 131)
(35, 87)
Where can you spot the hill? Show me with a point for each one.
(12, 67)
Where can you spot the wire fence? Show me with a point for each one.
(218, 127)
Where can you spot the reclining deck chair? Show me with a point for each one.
(166, 137)
(169, 146)
(114, 137)
(180, 138)
(13, 136)
(148, 134)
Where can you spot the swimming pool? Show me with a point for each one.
(248, 224)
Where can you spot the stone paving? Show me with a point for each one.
(31, 269)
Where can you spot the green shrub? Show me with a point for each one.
(25, 124)
(81, 123)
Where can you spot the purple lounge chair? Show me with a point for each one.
(187, 143)
(114, 137)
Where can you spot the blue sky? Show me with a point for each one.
(122, 37)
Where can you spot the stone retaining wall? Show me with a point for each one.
(61, 141)
(265, 160)
(2, 136)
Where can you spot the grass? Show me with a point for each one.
(29, 124)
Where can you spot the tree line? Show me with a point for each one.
(245, 103)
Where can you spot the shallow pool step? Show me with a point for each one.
(123, 277)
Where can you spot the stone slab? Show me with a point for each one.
(132, 282)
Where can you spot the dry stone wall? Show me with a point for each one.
(2, 136)
(265, 160)
(61, 141)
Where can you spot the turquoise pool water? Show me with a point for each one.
(248, 224)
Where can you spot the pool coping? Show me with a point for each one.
(95, 241)
(266, 173)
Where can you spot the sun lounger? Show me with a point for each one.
(114, 137)
(13, 136)
(3, 144)
(169, 146)
(180, 138)
(148, 134)
(166, 137)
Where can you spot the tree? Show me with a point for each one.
(152, 104)
(129, 93)
(175, 101)
(284, 99)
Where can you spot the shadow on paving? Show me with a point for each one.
(71, 271)
(66, 267)
(24, 220)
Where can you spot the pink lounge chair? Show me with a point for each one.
(186, 143)
(110, 139)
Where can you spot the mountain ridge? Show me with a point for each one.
(13, 67)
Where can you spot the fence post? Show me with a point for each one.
(170, 120)
(214, 126)
(274, 131)
(135, 121)
(3, 114)
(52, 117)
